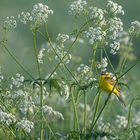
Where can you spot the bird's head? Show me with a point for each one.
(106, 74)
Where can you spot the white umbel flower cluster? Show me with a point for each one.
(103, 64)
(60, 50)
(77, 7)
(136, 120)
(96, 13)
(95, 34)
(7, 118)
(84, 74)
(114, 8)
(10, 23)
(124, 38)
(121, 121)
(134, 30)
(104, 127)
(38, 15)
(17, 81)
(114, 47)
(26, 125)
(115, 25)
(65, 89)
(61, 38)
(25, 17)
(40, 55)
(52, 113)
(40, 12)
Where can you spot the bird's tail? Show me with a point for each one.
(121, 100)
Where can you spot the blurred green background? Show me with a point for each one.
(21, 40)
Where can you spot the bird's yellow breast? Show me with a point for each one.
(106, 86)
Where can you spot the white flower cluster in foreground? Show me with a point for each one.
(136, 120)
(61, 38)
(114, 47)
(7, 118)
(114, 8)
(17, 81)
(38, 15)
(77, 7)
(96, 13)
(84, 74)
(52, 113)
(41, 55)
(10, 23)
(26, 125)
(65, 89)
(121, 121)
(104, 127)
(135, 28)
(103, 64)
(95, 34)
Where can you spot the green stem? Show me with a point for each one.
(15, 59)
(75, 112)
(93, 61)
(96, 110)
(129, 112)
(85, 112)
(50, 128)
(71, 46)
(109, 60)
(41, 111)
(101, 111)
(48, 39)
(36, 54)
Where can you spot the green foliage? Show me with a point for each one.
(62, 97)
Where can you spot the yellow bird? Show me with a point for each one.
(108, 84)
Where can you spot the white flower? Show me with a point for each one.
(16, 94)
(96, 13)
(95, 34)
(136, 120)
(114, 47)
(40, 55)
(26, 125)
(7, 118)
(124, 38)
(61, 53)
(61, 38)
(134, 30)
(40, 13)
(77, 7)
(84, 74)
(114, 8)
(25, 17)
(103, 64)
(52, 113)
(66, 91)
(79, 40)
(121, 121)
(10, 23)
(104, 127)
(115, 25)
(17, 81)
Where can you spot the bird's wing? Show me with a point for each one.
(112, 82)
